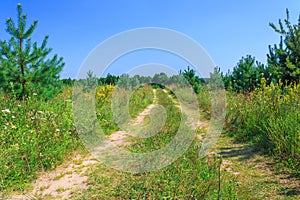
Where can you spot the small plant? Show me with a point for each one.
(58, 176)
(61, 189)
(43, 188)
(78, 162)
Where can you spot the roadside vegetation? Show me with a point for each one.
(263, 101)
(269, 118)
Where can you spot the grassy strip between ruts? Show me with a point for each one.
(189, 177)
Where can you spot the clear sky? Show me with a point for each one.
(226, 29)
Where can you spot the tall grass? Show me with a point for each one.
(34, 135)
(104, 110)
(270, 118)
(115, 105)
(139, 100)
(204, 100)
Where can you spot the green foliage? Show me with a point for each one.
(160, 79)
(139, 100)
(215, 80)
(283, 62)
(204, 101)
(90, 82)
(283, 131)
(111, 79)
(34, 135)
(24, 66)
(191, 77)
(135, 101)
(284, 59)
(127, 82)
(104, 108)
(270, 118)
(246, 75)
(68, 82)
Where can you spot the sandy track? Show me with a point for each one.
(60, 182)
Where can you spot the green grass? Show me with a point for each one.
(34, 135)
(253, 174)
(37, 135)
(169, 130)
(189, 177)
(59, 176)
(204, 99)
(139, 100)
(120, 106)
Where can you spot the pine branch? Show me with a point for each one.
(11, 28)
(30, 30)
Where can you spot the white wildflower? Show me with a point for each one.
(6, 110)
(13, 126)
(13, 117)
(19, 105)
(57, 130)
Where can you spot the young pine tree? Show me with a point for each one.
(246, 75)
(284, 59)
(25, 67)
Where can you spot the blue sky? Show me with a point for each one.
(226, 29)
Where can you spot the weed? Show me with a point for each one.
(58, 176)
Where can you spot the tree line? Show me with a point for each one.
(27, 68)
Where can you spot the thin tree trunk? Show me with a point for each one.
(22, 66)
